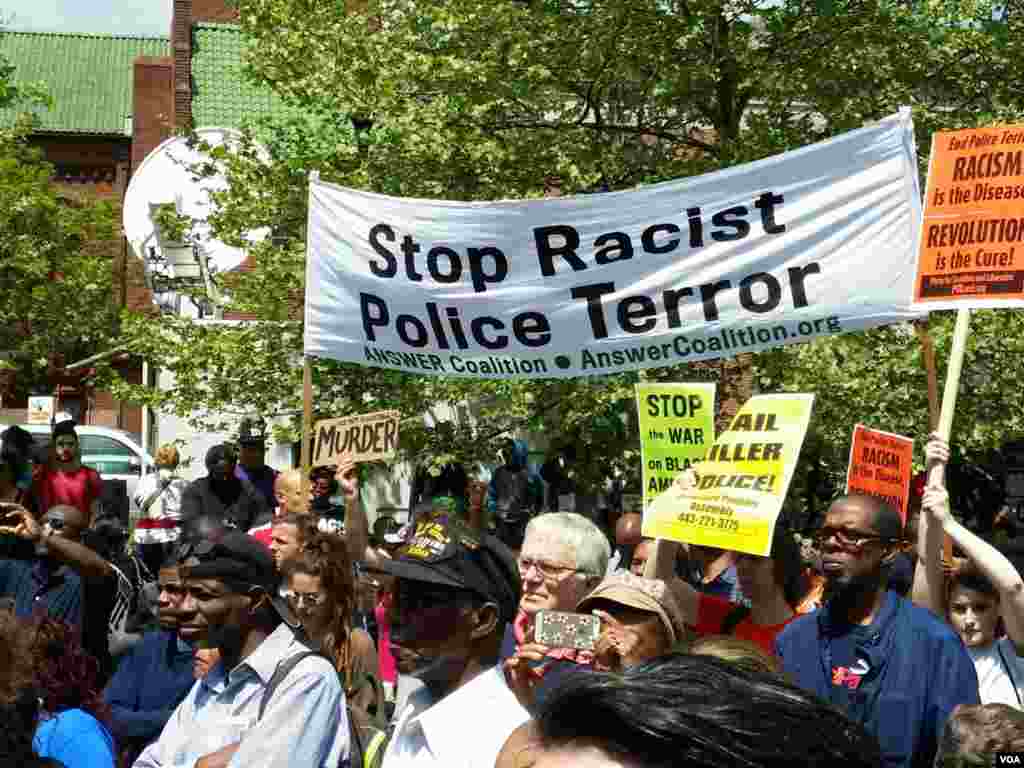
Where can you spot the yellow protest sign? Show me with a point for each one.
(742, 481)
(677, 424)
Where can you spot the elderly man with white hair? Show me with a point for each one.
(564, 556)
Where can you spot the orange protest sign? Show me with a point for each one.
(971, 251)
(881, 465)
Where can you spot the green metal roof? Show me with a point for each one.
(89, 77)
(221, 95)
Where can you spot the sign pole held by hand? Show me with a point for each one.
(937, 474)
(949, 394)
(307, 422)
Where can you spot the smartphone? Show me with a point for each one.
(561, 629)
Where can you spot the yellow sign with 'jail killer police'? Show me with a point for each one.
(742, 482)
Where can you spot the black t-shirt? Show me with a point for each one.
(238, 503)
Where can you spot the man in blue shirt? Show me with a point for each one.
(152, 680)
(234, 717)
(889, 664)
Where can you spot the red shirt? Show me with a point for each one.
(712, 612)
(79, 488)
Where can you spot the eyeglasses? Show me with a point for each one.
(852, 541)
(549, 571)
(301, 599)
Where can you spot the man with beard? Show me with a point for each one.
(455, 592)
(153, 679)
(889, 664)
(268, 702)
(221, 497)
(65, 480)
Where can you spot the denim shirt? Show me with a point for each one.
(304, 724)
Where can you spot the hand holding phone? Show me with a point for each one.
(562, 629)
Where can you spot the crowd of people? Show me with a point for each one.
(252, 618)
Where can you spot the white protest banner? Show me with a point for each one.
(812, 242)
(367, 437)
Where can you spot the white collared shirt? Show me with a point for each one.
(465, 729)
(304, 723)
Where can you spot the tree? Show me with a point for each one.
(54, 258)
(489, 99)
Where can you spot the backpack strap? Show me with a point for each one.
(734, 617)
(280, 673)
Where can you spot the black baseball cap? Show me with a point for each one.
(444, 550)
(252, 431)
(241, 562)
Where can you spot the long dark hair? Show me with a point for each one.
(701, 712)
(66, 677)
(326, 557)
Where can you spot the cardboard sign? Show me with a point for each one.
(677, 424)
(40, 410)
(743, 480)
(881, 465)
(367, 437)
(971, 251)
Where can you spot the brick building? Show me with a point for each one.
(115, 99)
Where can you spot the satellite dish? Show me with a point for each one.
(165, 178)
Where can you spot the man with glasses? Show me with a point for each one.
(889, 664)
(260, 706)
(564, 556)
(455, 592)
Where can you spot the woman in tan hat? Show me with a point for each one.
(640, 620)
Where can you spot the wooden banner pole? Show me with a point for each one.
(956, 360)
(307, 422)
(928, 357)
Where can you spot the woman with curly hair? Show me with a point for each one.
(19, 706)
(72, 727)
(320, 589)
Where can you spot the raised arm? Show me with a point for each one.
(357, 526)
(82, 559)
(990, 563)
(929, 583)
(661, 565)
